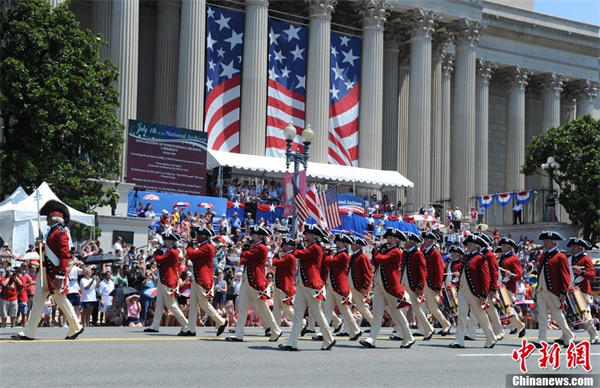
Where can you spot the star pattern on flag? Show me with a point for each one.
(235, 39)
(350, 212)
(236, 204)
(272, 208)
(223, 22)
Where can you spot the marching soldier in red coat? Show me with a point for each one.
(338, 291)
(457, 255)
(387, 290)
(414, 278)
(435, 279)
(254, 289)
(583, 273)
(360, 277)
(167, 289)
(310, 289)
(473, 291)
(202, 258)
(554, 279)
(285, 265)
(55, 278)
(512, 273)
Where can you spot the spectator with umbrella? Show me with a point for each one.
(106, 287)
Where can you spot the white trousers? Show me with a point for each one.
(335, 299)
(383, 301)
(163, 299)
(278, 305)
(198, 297)
(305, 298)
(466, 301)
(431, 298)
(418, 309)
(548, 302)
(359, 301)
(249, 297)
(41, 293)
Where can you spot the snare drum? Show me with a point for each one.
(504, 305)
(576, 309)
(448, 303)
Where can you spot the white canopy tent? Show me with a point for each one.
(265, 166)
(19, 216)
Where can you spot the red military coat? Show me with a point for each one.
(588, 274)
(284, 274)
(361, 271)
(435, 268)
(310, 266)
(554, 266)
(493, 267)
(324, 269)
(168, 268)
(511, 263)
(416, 270)
(477, 272)
(338, 272)
(57, 242)
(387, 264)
(254, 261)
(202, 264)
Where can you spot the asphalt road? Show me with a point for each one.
(113, 356)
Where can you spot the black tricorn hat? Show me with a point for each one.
(56, 208)
(204, 231)
(457, 249)
(579, 242)
(288, 241)
(343, 237)
(360, 241)
(551, 235)
(508, 241)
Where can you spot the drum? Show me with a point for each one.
(504, 305)
(576, 309)
(448, 303)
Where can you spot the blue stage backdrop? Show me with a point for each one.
(160, 201)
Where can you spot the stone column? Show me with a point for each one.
(484, 73)
(167, 58)
(403, 97)
(462, 143)
(586, 93)
(446, 91)
(124, 53)
(371, 85)
(253, 115)
(516, 82)
(391, 88)
(318, 76)
(567, 109)
(422, 24)
(438, 46)
(192, 45)
(102, 24)
(147, 63)
(551, 86)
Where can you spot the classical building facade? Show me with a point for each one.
(451, 90)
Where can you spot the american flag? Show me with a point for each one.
(303, 211)
(224, 31)
(286, 86)
(344, 100)
(312, 201)
(329, 207)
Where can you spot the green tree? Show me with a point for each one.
(576, 146)
(58, 103)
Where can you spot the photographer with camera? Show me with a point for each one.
(8, 297)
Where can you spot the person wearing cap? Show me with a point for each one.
(414, 278)
(388, 293)
(254, 291)
(310, 289)
(202, 258)
(553, 284)
(56, 260)
(435, 279)
(512, 273)
(360, 277)
(284, 262)
(338, 291)
(583, 274)
(474, 285)
(457, 255)
(167, 289)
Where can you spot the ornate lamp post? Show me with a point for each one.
(550, 206)
(297, 158)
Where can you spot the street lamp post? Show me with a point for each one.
(550, 206)
(298, 158)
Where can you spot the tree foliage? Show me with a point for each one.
(576, 146)
(58, 103)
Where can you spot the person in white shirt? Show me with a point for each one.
(118, 244)
(73, 286)
(106, 286)
(88, 286)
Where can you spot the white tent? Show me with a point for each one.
(19, 218)
(265, 166)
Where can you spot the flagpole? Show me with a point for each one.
(41, 239)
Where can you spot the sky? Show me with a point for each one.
(586, 11)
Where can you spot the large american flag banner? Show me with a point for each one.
(302, 209)
(224, 30)
(344, 100)
(286, 87)
(329, 207)
(314, 205)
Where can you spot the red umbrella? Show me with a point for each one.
(151, 197)
(181, 204)
(207, 205)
